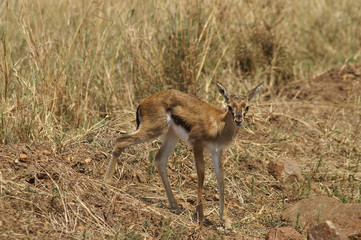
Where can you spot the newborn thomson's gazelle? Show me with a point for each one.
(175, 115)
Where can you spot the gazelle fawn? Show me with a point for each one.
(174, 115)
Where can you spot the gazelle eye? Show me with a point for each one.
(245, 111)
(230, 109)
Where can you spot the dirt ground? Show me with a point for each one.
(56, 192)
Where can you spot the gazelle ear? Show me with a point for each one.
(223, 91)
(254, 91)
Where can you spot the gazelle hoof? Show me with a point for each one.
(228, 229)
(108, 181)
(227, 226)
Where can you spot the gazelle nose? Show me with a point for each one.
(238, 123)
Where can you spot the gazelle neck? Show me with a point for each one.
(229, 130)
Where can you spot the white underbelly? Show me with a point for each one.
(182, 133)
(178, 130)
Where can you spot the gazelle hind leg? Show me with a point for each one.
(168, 145)
(121, 143)
(110, 170)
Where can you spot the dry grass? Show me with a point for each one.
(67, 65)
(72, 73)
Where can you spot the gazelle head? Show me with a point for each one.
(238, 104)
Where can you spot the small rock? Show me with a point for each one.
(71, 159)
(193, 177)
(284, 168)
(101, 171)
(283, 233)
(88, 160)
(307, 213)
(325, 230)
(215, 197)
(250, 178)
(46, 153)
(23, 156)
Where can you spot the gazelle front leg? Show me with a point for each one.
(218, 166)
(199, 164)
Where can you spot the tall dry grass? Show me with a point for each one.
(66, 65)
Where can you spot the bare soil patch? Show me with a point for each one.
(56, 191)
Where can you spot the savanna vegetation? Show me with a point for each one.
(73, 72)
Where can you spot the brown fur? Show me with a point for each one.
(206, 127)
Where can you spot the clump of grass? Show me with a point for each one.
(65, 67)
(261, 50)
(174, 55)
